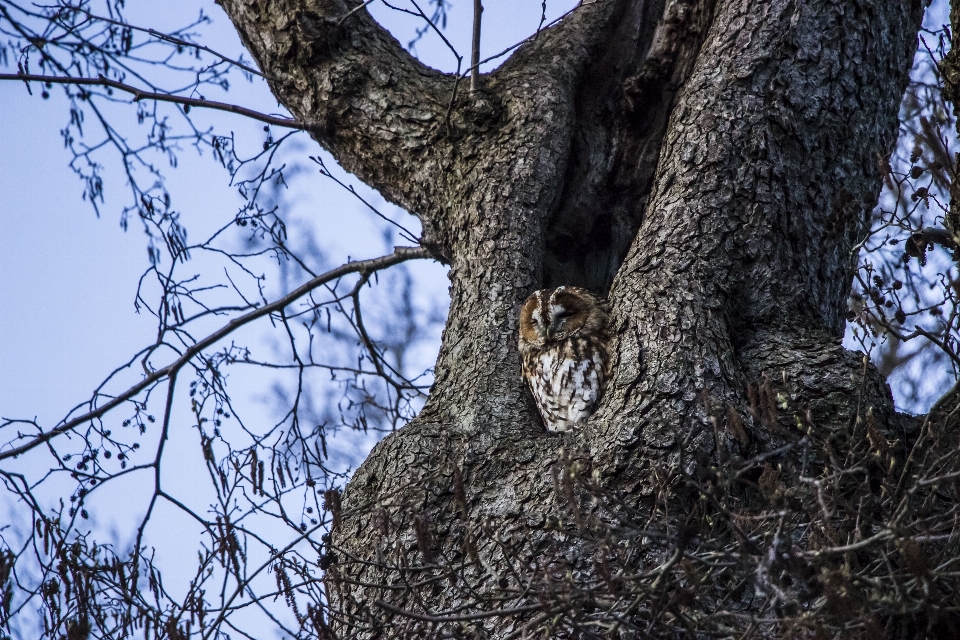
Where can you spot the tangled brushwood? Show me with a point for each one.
(839, 529)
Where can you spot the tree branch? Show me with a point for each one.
(475, 48)
(456, 618)
(383, 114)
(331, 63)
(171, 39)
(139, 94)
(364, 267)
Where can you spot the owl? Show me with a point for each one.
(565, 346)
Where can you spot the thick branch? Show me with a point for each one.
(390, 119)
(765, 182)
(379, 108)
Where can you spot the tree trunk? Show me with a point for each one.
(709, 164)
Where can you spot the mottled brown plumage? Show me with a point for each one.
(565, 346)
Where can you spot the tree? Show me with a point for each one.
(710, 166)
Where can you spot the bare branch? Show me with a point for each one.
(400, 254)
(457, 618)
(475, 49)
(139, 94)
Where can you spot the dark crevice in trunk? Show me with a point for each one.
(623, 108)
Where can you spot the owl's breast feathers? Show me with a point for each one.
(567, 380)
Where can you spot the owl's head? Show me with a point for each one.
(552, 315)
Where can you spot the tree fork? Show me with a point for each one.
(728, 152)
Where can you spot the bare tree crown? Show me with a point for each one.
(743, 181)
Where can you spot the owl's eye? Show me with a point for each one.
(563, 315)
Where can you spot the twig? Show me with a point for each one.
(353, 11)
(168, 38)
(886, 534)
(139, 94)
(455, 618)
(475, 50)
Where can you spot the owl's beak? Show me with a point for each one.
(552, 330)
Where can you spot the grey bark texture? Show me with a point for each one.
(708, 164)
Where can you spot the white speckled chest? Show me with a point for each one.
(567, 381)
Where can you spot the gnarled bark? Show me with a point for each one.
(710, 163)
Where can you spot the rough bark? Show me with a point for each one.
(767, 175)
(710, 164)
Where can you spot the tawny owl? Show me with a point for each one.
(565, 346)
